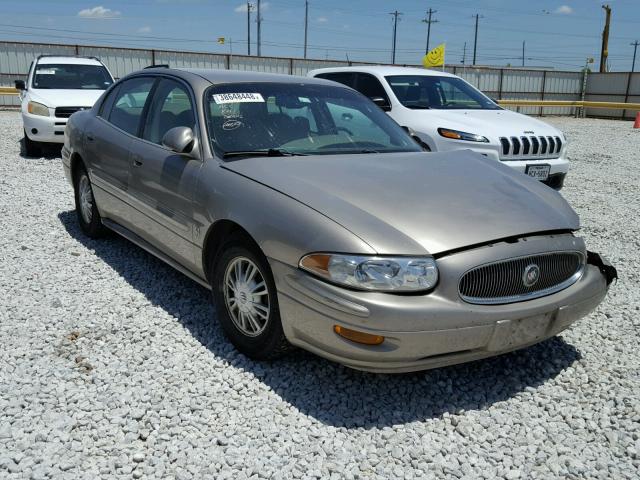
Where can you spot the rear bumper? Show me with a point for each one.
(425, 331)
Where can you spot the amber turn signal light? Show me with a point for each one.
(358, 337)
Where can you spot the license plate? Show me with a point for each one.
(539, 172)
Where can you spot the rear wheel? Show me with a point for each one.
(246, 301)
(88, 216)
(31, 148)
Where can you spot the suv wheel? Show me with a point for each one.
(246, 301)
(88, 216)
(31, 148)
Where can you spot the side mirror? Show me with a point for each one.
(416, 138)
(20, 85)
(382, 103)
(179, 139)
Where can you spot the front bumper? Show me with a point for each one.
(424, 331)
(44, 129)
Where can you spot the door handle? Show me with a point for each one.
(89, 137)
(137, 160)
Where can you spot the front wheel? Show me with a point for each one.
(31, 148)
(88, 216)
(246, 301)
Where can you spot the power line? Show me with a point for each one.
(428, 21)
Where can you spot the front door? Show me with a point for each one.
(162, 182)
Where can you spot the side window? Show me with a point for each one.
(355, 123)
(345, 78)
(370, 86)
(129, 103)
(170, 107)
(107, 103)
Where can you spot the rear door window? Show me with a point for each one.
(129, 104)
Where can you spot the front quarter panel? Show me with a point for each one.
(284, 228)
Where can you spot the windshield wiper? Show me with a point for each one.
(271, 152)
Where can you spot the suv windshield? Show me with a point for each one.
(445, 93)
(71, 77)
(298, 119)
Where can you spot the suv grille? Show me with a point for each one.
(515, 280)
(66, 112)
(516, 148)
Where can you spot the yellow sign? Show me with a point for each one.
(435, 58)
(221, 40)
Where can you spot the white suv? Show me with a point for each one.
(448, 113)
(57, 87)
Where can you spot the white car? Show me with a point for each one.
(447, 113)
(57, 87)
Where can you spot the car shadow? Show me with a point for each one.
(331, 393)
(49, 151)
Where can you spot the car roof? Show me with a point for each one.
(219, 76)
(68, 60)
(384, 70)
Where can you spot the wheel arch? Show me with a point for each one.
(219, 232)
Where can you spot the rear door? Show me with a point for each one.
(162, 182)
(108, 139)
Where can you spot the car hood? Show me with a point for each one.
(65, 98)
(489, 123)
(416, 203)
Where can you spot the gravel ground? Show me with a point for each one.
(112, 367)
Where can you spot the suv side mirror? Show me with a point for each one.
(416, 138)
(179, 139)
(382, 103)
(20, 85)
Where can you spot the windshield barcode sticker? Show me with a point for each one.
(222, 98)
(46, 72)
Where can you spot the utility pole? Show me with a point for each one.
(306, 25)
(464, 53)
(249, 7)
(259, 21)
(523, 53)
(475, 40)
(635, 48)
(428, 21)
(395, 31)
(604, 53)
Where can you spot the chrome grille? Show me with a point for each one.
(530, 147)
(503, 282)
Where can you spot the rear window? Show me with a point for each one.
(71, 77)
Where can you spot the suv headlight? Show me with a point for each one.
(36, 108)
(458, 135)
(384, 274)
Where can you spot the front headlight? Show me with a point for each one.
(385, 274)
(36, 108)
(458, 135)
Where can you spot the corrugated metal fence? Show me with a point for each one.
(499, 83)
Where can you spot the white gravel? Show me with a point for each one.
(110, 365)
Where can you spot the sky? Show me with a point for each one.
(559, 34)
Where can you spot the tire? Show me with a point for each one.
(249, 319)
(86, 210)
(31, 148)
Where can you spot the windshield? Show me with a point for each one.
(299, 119)
(71, 77)
(444, 93)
